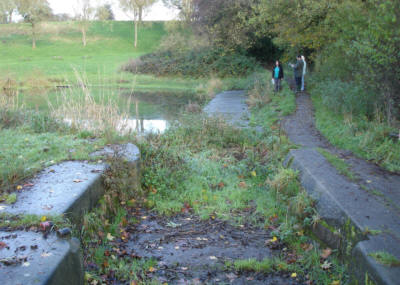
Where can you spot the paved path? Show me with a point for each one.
(301, 130)
(371, 201)
(231, 105)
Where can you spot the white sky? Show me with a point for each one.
(158, 12)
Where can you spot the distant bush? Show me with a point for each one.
(346, 97)
(194, 63)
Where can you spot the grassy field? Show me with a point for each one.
(60, 55)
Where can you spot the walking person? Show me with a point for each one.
(304, 72)
(277, 75)
(298, 72)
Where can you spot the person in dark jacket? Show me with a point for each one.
(277, 75)
(298, 72)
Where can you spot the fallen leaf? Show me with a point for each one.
(231, 276)
(26, 264)
(46, 254)
(221, 185)
(45, 226)
(326, 265)
(369, 181)
(2, 245)
(326, 253)
(307, 246)
(273, 240)
(152, 269)
(28, 185)
(253, 173)
(177, 247)
(19, 187)
(293, 275)
(77, 180)
(242, 184)
(43, 219)
(2, 208)
(335, 282)
(47, 207)
(213, 257)
(184, 268)
(110, 237)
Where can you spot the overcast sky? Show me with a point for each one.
(158, 12)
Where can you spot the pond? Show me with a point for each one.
(144, 111)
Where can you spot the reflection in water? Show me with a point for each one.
(138, 113)
(143, 126)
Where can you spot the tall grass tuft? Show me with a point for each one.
(261, 92)
(78, 107)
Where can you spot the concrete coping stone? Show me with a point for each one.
(350, 211)
(129, 152)
(70, 188)
(32, 259)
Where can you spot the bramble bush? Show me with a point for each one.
(193, 63)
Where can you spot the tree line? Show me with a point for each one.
(350, 41)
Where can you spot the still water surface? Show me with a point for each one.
(147, 112)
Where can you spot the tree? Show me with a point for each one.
(104, 13)
(33, 11)
(7, 8)
(185, 7)
(369, 38)
(136, 7)
(83, 14)
(296, 24)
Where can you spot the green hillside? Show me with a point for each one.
(59, 48)
(60, 55)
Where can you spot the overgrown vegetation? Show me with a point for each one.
(385, 258)
(193, 63)
(368, 139)
(341, 166)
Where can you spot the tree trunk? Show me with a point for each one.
(33, 35)
(10, 16)
(140, 14)
(136, 33)
(83, 29)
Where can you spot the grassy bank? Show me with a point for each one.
(365, 138)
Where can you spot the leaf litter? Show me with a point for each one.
(195, 252)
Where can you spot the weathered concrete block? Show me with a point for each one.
(231, 105)
(347, 212)
(129, 156)
(74, 187)
(380, 274)
(28, 258)
(69, 188)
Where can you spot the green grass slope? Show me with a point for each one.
(60, 50)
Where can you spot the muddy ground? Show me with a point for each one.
(189, 250)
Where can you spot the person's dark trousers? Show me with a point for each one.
(277, 84)
(298, 84)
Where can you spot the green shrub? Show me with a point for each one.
(345, 97)
(194, 63)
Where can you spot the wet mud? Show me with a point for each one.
(189, 250)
